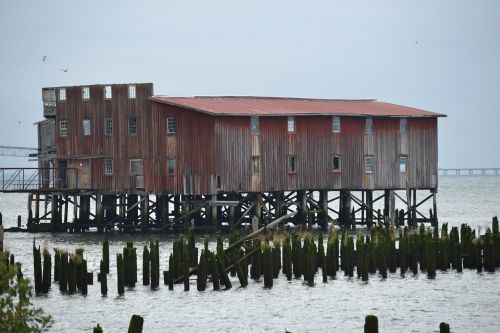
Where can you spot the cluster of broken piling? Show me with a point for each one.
(298, 254)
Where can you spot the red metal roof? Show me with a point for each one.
(281, 106)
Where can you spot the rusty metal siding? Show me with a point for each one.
(120, 146)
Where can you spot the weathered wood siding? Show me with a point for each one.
(314, 143)
(90, 151)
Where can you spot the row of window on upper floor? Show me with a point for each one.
(335, 163)
(108, 126)
(171, 125)
(108, 93)
(291, 125)
(137, 167)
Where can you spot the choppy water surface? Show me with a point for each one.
(468, 301)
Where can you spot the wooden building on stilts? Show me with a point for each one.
(124, 158)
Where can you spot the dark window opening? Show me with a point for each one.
(292, 168)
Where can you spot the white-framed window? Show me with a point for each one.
(255, 160)
(336, 124)
(369, 163)
(291, 124)
(108, 167)
(108, 126)
(63, 128)
(336, 163)
(108, 92)
(292, 165)
(403, 161)
(62, 94)
(85, 93)
(86, 127)
(132, 125)
(171, 166)
(171, 125)
(254, 125)
(131, 91)
(402, 125)
(369, 125)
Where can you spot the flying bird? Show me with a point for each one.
(44, 58)
(416, 42)
(65, 70)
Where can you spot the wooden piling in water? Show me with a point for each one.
(267, 259)
(287, 259)
(136, 323)
(201, 277)
(37, 259)
(57, 264)
(84, 276)
(145, 266)
(121, 273)
(103, 278)
(47, 270)
(72, 274)
(371, 324)
(97, 329)
(444, 328)
(63, 272)
(214, 270)
(223, 273)
(105, 254)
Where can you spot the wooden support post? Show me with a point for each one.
(363, 207)
(75, 209)
(84, 209)
(132, 213)
(258, 207)
(55, 215)
(37, 208)
(301, 207)
(65, 209)
(121, 208)
(434, 207)
(177, 206)
(30, 210)
(213, 213)
(386, 203)
(98, 209)
(279, 209)
(369, 208)
(392, 207)
(144, 211)
(323, 201)
(232, 219)
(164, 209)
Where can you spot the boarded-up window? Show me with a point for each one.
(255, 164)
(403, 159)
(85, 93)
(131, 91)
(292, 167)
(86, 127)
(63, 128)
(136, 167)
(291, 124)
(254, 123)
(336, 163)
(369, 125)
(170, 125)
(369, 167)
(108, 167)
(171, 166)
(108, 126)
(62, 94)
(402, 125)
(108, 93)
(132, 125)
(336, 124)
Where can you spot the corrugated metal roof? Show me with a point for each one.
(281, 106)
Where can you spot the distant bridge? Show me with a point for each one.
(17, 151)
(469, 171)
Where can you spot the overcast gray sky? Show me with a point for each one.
(441, 56)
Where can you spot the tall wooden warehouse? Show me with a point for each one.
(128, 158)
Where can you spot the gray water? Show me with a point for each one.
(468, 301)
